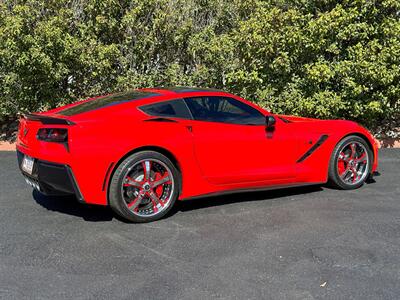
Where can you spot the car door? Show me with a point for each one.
(233, 145)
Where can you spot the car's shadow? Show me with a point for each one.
(70, 206)
(96, 213)
(214, 201)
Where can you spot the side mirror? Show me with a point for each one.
(270, 122)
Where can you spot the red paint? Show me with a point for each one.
(212, 157)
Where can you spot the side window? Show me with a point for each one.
(224, 110)
(174, 109)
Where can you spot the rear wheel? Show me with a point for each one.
(144, 187)
(351, 163)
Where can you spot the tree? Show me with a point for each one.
(325, 59)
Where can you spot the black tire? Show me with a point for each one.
(333, 175)
(115, 194)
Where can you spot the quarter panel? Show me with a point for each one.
(98, 144)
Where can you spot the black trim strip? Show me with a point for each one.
(166, 120)
(285, 120)
(48, 120)
(71, 176)
(107, 175)
(313, 148)
(250, 190)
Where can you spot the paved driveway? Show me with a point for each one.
(277, 245)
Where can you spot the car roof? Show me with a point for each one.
(178, 90)
(135, 97)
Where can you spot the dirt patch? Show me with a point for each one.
(390, 143)
(7, 146)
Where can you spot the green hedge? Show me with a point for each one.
(322, 58)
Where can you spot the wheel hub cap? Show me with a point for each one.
(148, 187)
(353, 163)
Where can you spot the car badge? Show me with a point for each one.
(26, 131)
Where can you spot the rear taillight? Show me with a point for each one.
(57, 135)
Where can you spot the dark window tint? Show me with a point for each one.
(225, 110)
(174, 109)
(105, 101)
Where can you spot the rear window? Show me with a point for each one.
(105, 101)
(173, 109)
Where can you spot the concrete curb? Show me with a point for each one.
(6, 146)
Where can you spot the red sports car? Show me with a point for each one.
(140, 151)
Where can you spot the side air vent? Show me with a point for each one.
(166, 120)
(314, 147)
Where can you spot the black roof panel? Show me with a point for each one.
(105, 101)
(185, 89)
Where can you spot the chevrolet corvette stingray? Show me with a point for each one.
(140, 151)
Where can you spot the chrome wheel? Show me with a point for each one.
(147, 187)
(353, 163)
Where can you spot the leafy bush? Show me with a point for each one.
(328, 59)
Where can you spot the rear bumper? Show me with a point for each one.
(51, 178)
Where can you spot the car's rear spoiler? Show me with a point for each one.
(48, 120)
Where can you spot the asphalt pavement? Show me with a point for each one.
(301, 243)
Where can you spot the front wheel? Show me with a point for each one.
(350, 163)
(144, 187)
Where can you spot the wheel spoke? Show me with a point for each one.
(155, 199)
(130, 182)
(345, 173)
(135, 203)
(360, 162)
(343, 156)
(355, 175)
(353, 150)
(362, 156)
(162, 180)
(146, 169)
